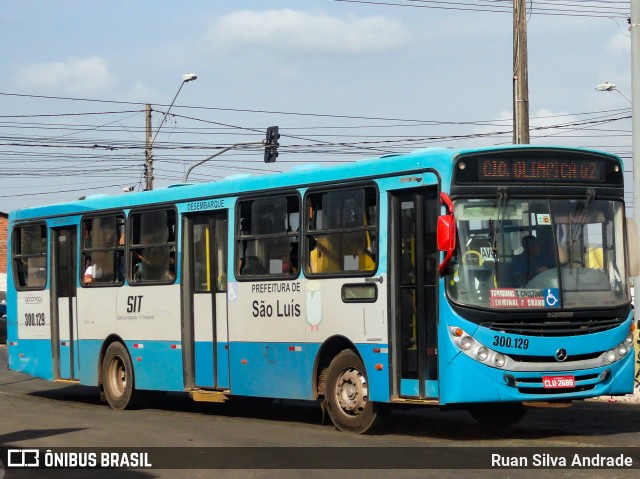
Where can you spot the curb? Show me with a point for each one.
(628, 399)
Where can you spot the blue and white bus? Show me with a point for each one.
(487, 279)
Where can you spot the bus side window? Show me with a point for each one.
(152, 246)
(102, 250)
(268, 236)
(342, 231)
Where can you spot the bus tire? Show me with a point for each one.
(497, 416)
(117, 377)
(347, 394)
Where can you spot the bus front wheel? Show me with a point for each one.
(117, 377)
(347, 394)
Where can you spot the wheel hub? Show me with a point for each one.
(352, 392)
(118, 376)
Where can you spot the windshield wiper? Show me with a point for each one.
(495, 230)
(575, 227)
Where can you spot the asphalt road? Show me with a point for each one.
(40, 414)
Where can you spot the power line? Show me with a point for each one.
(582, 9)
(22, 152)
(288, 113)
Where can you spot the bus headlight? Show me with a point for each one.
(478, 351)
(482, 353)
(624, 347)
(611, 356)
(467, 343)
(629, 340)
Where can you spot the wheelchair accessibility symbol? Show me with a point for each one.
(551, 297)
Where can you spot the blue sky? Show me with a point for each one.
(354, 79)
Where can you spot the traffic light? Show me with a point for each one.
(271, 145)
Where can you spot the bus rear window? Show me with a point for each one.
(30, 257)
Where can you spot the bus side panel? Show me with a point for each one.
(296, 318)
(32, 356)
(89, 361)
(285, 371)
(33, 315)
(331, 311)
(376, 362)
(148, 320)
(29, 334)
(96, 313)
(267, 340)
(157, 365)
(279, 370)
(96, 321)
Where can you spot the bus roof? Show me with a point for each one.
(439, 159)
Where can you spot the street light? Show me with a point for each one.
(270, 144)
(224, 150)
(148, 171)
(606, 86)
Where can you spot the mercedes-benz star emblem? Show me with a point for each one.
(561, 355)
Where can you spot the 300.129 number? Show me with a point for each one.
(34, 319)
(508, 342)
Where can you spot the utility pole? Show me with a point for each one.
(148, 151)
(150, 140)
(635, 103)
(520, 74)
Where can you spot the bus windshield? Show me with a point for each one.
(539, 253)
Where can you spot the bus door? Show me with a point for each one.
(204, 276)
(63, 303)
(414, 278)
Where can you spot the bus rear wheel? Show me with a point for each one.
(117, 377)
(347, 394)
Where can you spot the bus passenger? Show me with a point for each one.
(138, 261)
(92, 272)
(171, 272)
(532, 261)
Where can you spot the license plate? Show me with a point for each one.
(557, 382)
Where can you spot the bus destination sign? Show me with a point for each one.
(541, 170)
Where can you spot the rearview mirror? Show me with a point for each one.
(446, 233)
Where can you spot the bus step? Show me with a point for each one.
(430, 402)
(202, 395)
(548, 404)
(68, 381)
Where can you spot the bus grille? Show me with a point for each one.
(584, 382)
(546, 392)
(554, 327)
(552, 359)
